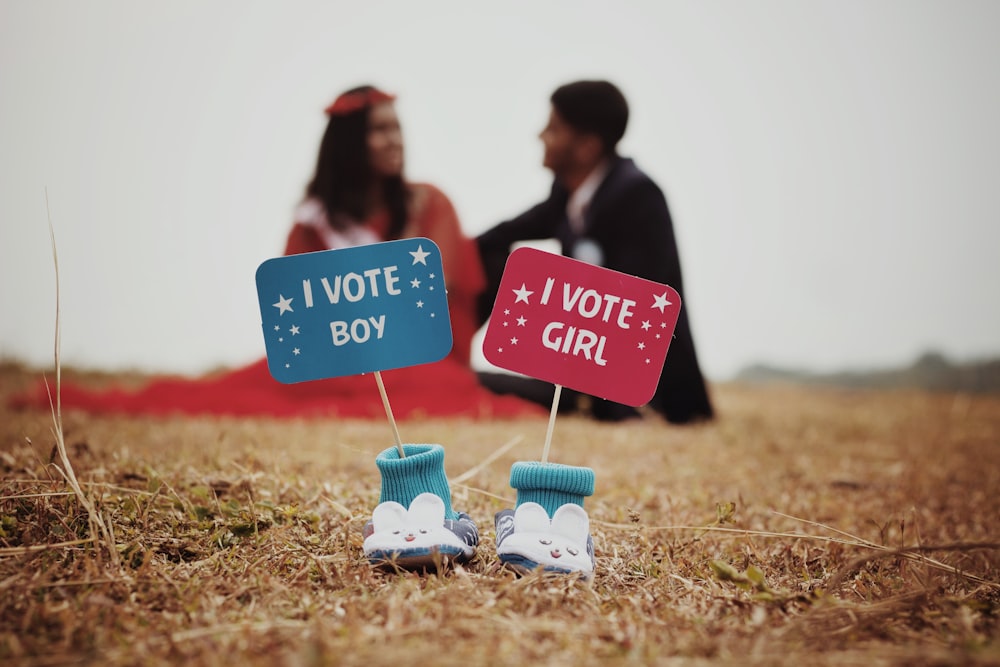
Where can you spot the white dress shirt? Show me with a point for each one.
(579, 200)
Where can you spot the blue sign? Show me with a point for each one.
(356, 310)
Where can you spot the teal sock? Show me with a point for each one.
(421, 471)
(551, 485)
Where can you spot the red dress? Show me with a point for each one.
(433, 217)
(444, 388)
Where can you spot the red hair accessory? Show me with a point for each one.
(357, 100)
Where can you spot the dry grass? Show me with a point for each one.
(862, 530)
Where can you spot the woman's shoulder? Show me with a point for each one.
(310, 212)
(424, 188)
(426, 197)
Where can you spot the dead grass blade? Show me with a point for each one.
(497, 453)
(483, 492)
(228, 628)
(95, 520)
(25, 496)
(35, 548)
(913, 553)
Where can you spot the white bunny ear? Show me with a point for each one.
(427, 509)
(531, 518)
(571, 521)
(388, 516)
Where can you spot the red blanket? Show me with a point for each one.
(444, 388)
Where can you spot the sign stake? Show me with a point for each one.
(388, 413)
(552, 423)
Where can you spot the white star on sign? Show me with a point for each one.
(506, 311)
(419, 256)
(414, 283)
(277, 327)
(522, 294)
(296, 352)
(645, 325)
(647, 361)
(521, 321)
(660, 301)
(420, 304)
(294, 330)
(283, 304)
(431, 276)
(642, 346)
(513, 341)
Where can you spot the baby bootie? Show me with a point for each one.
(414, 525)
(548, 529)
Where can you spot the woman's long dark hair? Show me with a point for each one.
(343, 172)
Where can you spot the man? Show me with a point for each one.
(603, 210)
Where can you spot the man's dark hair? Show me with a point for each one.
(595, 107)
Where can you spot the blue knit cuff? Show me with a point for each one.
(551, 485)
(422, 471)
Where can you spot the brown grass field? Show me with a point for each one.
(802, 527)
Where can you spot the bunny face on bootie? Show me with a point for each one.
(413, 537)
(527, 539)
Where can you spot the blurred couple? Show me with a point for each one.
(602, 209)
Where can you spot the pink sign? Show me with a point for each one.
(581, 326)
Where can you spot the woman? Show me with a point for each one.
(358, 195)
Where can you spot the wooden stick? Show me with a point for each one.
(388, 413)
(552, 423)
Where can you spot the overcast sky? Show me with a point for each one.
(832, 167)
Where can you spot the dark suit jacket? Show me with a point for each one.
(629, 220)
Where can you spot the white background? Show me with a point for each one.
(832, 167)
